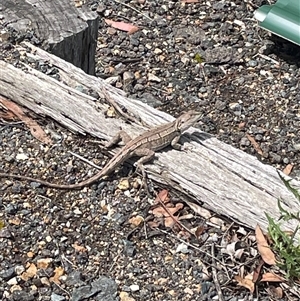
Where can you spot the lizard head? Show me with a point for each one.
(187, 120)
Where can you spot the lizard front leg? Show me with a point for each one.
(120, 136)
(175, 144)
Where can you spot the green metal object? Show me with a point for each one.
(282, 19)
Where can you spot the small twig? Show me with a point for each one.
(7, 124)
(215, 276)
(159, 90)
(114, 262)
(266, 58)
(63, 257)
(136, 10)
(85, 160)
(60, 287)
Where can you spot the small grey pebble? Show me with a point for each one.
(252, 63)
(55, 297)
(244, 142)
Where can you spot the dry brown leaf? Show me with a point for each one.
(245, 282)
(136, 220)
(79, 248)
(170, 221)
(122, 26)
(271, 277)
(59, 271)
(275, 292)
(288, 169)
(35, 129)
(199, 230)
(30, 254)
(254, 144)
(29, 273)
(168, 213)
(15, 221)
(124, 296)
(160, 211)
(154, 224)
(43, 263)
(263, 247)
(163, 196)
(257, 270)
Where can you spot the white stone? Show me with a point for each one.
(134, 288)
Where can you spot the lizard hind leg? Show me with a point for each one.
(145, 155)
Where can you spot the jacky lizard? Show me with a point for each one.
(143, 146)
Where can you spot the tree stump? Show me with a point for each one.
(58, 26)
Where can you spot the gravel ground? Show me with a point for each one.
(83, 245)
(248, 85)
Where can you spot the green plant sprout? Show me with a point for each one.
(284, 244)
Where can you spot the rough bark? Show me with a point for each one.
(226, 180)
(64, 30)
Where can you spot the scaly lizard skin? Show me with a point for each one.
(143, 146)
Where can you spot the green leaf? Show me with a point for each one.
(2, 224)
(198, 58)
(294, 191)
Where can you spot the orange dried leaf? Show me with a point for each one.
(154, 224)
(199, 231)
(263, 247)
(136, 220)
(276, 292)
(288, 169)
(79, 248)
(15, 221)
(122, 26)
(271, 277)
(160, 211)
(170, 221)
(163, 196)
(35, 129)
(245, 282)
(254, 144)
(257, 270)
(59, 271)
(30, 272)
(7, 116)
(43, 263)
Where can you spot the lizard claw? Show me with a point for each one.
(187, 148)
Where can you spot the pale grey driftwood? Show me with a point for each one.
(227, 180)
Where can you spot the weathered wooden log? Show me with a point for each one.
(222, 178)
(60, 27)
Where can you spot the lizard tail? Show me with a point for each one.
(52, 185)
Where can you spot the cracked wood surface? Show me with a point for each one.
(226, 180)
